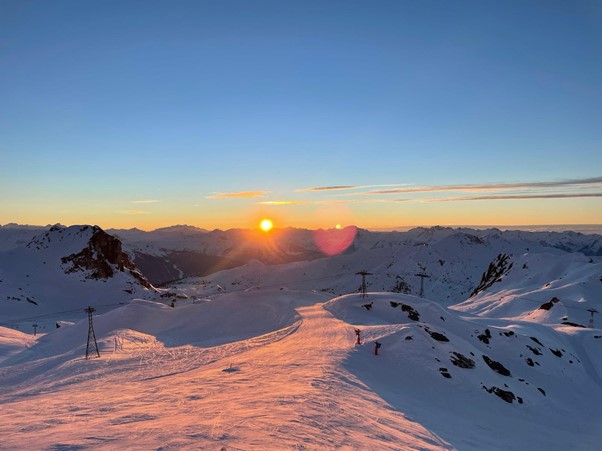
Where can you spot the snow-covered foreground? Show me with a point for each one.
(280, 370)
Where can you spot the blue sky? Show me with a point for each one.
(153, 113)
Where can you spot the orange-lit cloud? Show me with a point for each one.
(146, 201)
(238, 195)
(135, 212)
(330, 202)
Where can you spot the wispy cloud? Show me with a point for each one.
(330, 202)
(287, 202)
(518, 196)
(135, 212)
(592, 181)
(238, 195)
(343, 187)
(146, 201)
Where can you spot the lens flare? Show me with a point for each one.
(334, 241)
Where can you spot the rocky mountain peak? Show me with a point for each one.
(103, 256)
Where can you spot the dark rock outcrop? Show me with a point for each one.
(445, 373)
(102, 256)
(543, 392)
(548, 305)
(506, 395)
(535, 351)
(436, 335)
(485, 337)
(496, 271)
(411, 311)
(496, 366)
(556, 352)
(461, 360)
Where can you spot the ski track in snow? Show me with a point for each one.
(283, 390)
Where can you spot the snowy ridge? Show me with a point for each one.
(536, 371)
(264, 357)
(455, 262)
(63, 269)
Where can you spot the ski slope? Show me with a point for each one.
(278, 369)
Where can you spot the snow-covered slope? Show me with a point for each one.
(279, 369)
(14, 235)
(503, 384)
(13, 342)
(65, 269)
(263, 356)
(544, 288)
(456, 262)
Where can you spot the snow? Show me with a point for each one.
(13, 342)
(35, 283)
(283, 372)
(264, 356)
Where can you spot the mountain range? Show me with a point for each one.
(463, 339)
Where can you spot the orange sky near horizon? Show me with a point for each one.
(247, 213)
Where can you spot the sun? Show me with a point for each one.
(266, 225)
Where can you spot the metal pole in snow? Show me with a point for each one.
(359, 340)
(376, 346)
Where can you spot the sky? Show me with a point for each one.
(312, 113)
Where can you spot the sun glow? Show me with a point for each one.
(266, 225)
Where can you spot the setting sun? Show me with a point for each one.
(266, 225)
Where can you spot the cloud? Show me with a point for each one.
(135, 212)
(329, 188)
(146, 201)
(492, 186)
(238, 195)
(330, 202)
(287, 202)
(518, 196)
(342, 187)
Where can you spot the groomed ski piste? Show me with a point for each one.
(275, 369)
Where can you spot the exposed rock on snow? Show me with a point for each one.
(485, 337)
(506, 395)
(461, 360)
(436, 335)
(65, 269)
(102, 254)
(548, 305)
(412, 313)
(256, 342)
(496, 366)
(495, 273)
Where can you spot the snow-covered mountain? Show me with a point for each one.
(264, 356)
(454, 259)
(172, 253)
(506, 274)
(65, 269)
(13, 235)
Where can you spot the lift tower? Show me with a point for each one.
(91, 334)
(363, 289)
(422, 276)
